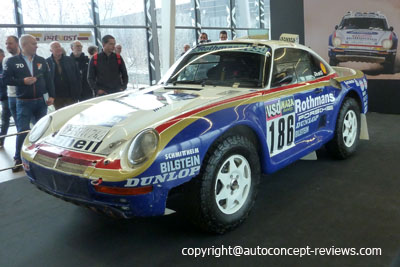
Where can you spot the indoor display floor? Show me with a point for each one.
(321, 204)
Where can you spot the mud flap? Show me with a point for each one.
(311, 156)
(364, 135)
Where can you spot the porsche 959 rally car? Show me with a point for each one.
(224, 114)
(364, 37)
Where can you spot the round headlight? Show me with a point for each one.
(387, 44)
(143, 146)
(39, 129)
(337, 42)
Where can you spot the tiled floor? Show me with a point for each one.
(6, 158)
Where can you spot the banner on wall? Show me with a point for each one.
(62, 36)
(361, 34)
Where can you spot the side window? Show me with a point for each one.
(318, 68)
(304, 68)
(284, 65)
(293, 65)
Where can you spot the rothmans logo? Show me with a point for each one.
(312, 102)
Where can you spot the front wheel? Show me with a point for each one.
(390, 65)
(224, 193)
(347, 130)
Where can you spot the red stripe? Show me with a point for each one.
(83, 38)
(111, 165)
(177, 119)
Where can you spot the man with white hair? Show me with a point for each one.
(118, 49)
(30, 74)
(65, 75)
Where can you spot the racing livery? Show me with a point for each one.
(221, 116)
(364, 37)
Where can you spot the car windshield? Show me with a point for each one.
(237, 65)
(363, 23)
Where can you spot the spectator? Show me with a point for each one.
(223, 36)
(203, 38)
(186, 47)
(5, 113)
(82, 62)
(12, 48)
(92, 50)
(118, 49)
(65, 75)
(31, 76)
(107, 72)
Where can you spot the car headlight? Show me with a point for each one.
(387, 43)
(39, 129)
(336, 42)
(143, 146)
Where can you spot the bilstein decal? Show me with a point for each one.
(181, 164)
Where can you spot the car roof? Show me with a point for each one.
(357, 14)
(271, 43)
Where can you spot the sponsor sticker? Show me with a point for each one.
(280, 115)
(90, 133)
(177, 165)
(322, 67)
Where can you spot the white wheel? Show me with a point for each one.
(221, 197)
(347, 130)
(350, 128)
(233, 183)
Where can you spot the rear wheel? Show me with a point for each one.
(347, 131)
(224, 193)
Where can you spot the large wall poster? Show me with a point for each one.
(361, 34)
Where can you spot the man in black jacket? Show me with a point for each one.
(35, 90)
(82, 62)
(65, 75)
(107, 72)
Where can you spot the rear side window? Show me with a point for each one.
(292, 65)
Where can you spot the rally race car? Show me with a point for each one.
(364, 37)
(224, 114)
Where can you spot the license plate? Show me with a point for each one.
(91, 133)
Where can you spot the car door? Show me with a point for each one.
(294, 118)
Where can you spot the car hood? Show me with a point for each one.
(112, 122)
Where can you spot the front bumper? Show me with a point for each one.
(360, 55)
(80, 191)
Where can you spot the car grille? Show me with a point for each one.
(45, 161)
(70, 167)
(61, 183)
(51, 162)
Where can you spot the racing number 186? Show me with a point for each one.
(282, 134)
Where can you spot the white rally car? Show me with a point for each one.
(222, 115)
(363, 37)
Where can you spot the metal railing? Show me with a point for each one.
(8, 135)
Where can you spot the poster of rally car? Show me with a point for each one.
(358, 34)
